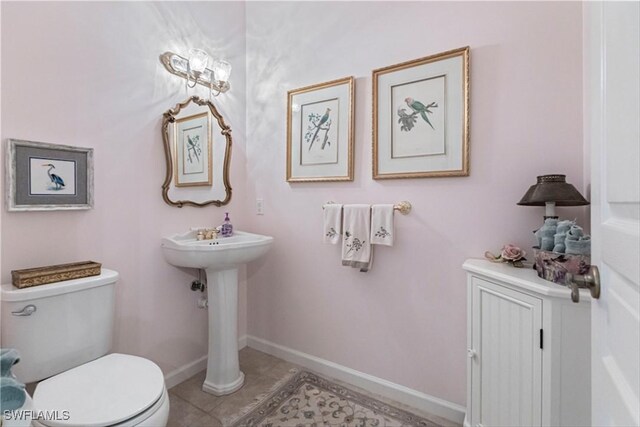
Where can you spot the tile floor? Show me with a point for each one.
(192, 407)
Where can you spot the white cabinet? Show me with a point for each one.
(528, 348)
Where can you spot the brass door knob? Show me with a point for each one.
(590, 281)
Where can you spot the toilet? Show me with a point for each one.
(63, 332)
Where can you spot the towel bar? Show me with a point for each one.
(403, 207)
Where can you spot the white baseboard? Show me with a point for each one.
(185, 372)
(388, 389)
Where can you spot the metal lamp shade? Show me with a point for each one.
(552, 188)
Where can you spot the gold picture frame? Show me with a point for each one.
(191, 153)
(319, 142)
(421, 117)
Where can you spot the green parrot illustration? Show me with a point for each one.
(420, 108)
(322, 121)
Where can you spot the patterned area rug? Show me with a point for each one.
(309, 400)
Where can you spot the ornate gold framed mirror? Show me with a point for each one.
(197, 148)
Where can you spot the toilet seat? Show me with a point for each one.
(116, 389)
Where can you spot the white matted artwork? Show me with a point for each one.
(319, 144)
(193, 151)
(421, 117)
(320, 132)
(420, 111)
(44, 176)
(51, 176)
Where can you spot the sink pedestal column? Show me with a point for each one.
(223, 368)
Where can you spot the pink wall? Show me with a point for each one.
(88, 74)
(405, 321)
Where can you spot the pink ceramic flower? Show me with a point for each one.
(512, 253)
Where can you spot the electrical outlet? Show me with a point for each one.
(259, 206)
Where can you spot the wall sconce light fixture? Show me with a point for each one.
(194, 70)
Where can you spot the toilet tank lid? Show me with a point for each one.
(11, 293)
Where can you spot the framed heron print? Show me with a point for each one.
(421, 117)
(48, 176)
(320, 132)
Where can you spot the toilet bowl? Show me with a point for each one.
(114, 390)
(117, 390)
(63, 332)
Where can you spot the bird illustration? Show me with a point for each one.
(322, 121)
(55, 179)
(192, 147)
(421, 109)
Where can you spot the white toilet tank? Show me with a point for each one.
(58, 326)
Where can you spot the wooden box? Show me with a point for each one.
(54, 273)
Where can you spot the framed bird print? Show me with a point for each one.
(193, 151)
(48, 177)
(421, 117)
(320, 132)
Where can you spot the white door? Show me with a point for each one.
(612, 98)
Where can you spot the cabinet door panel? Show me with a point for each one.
(507, 370)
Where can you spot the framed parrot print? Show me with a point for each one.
(421, 117)
(320, 132)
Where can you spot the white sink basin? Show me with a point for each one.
(220, 258)
(184, 250)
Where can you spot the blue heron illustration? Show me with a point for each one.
(55, 179)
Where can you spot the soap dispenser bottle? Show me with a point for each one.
(226, 230)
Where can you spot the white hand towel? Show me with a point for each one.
(332, 228)
(382, 225)
(356, 247)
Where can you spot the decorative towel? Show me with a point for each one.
(8, 358)
(561, 235)
(578, 247)
(382, 225)
(12, 394)
(577, 243)
(332, 228)
(558, 242)
(575, 233)
(545, 234)
(356, 246)
(564, 226)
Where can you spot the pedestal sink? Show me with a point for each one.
(220, 258)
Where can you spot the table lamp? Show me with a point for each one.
(551, 191)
